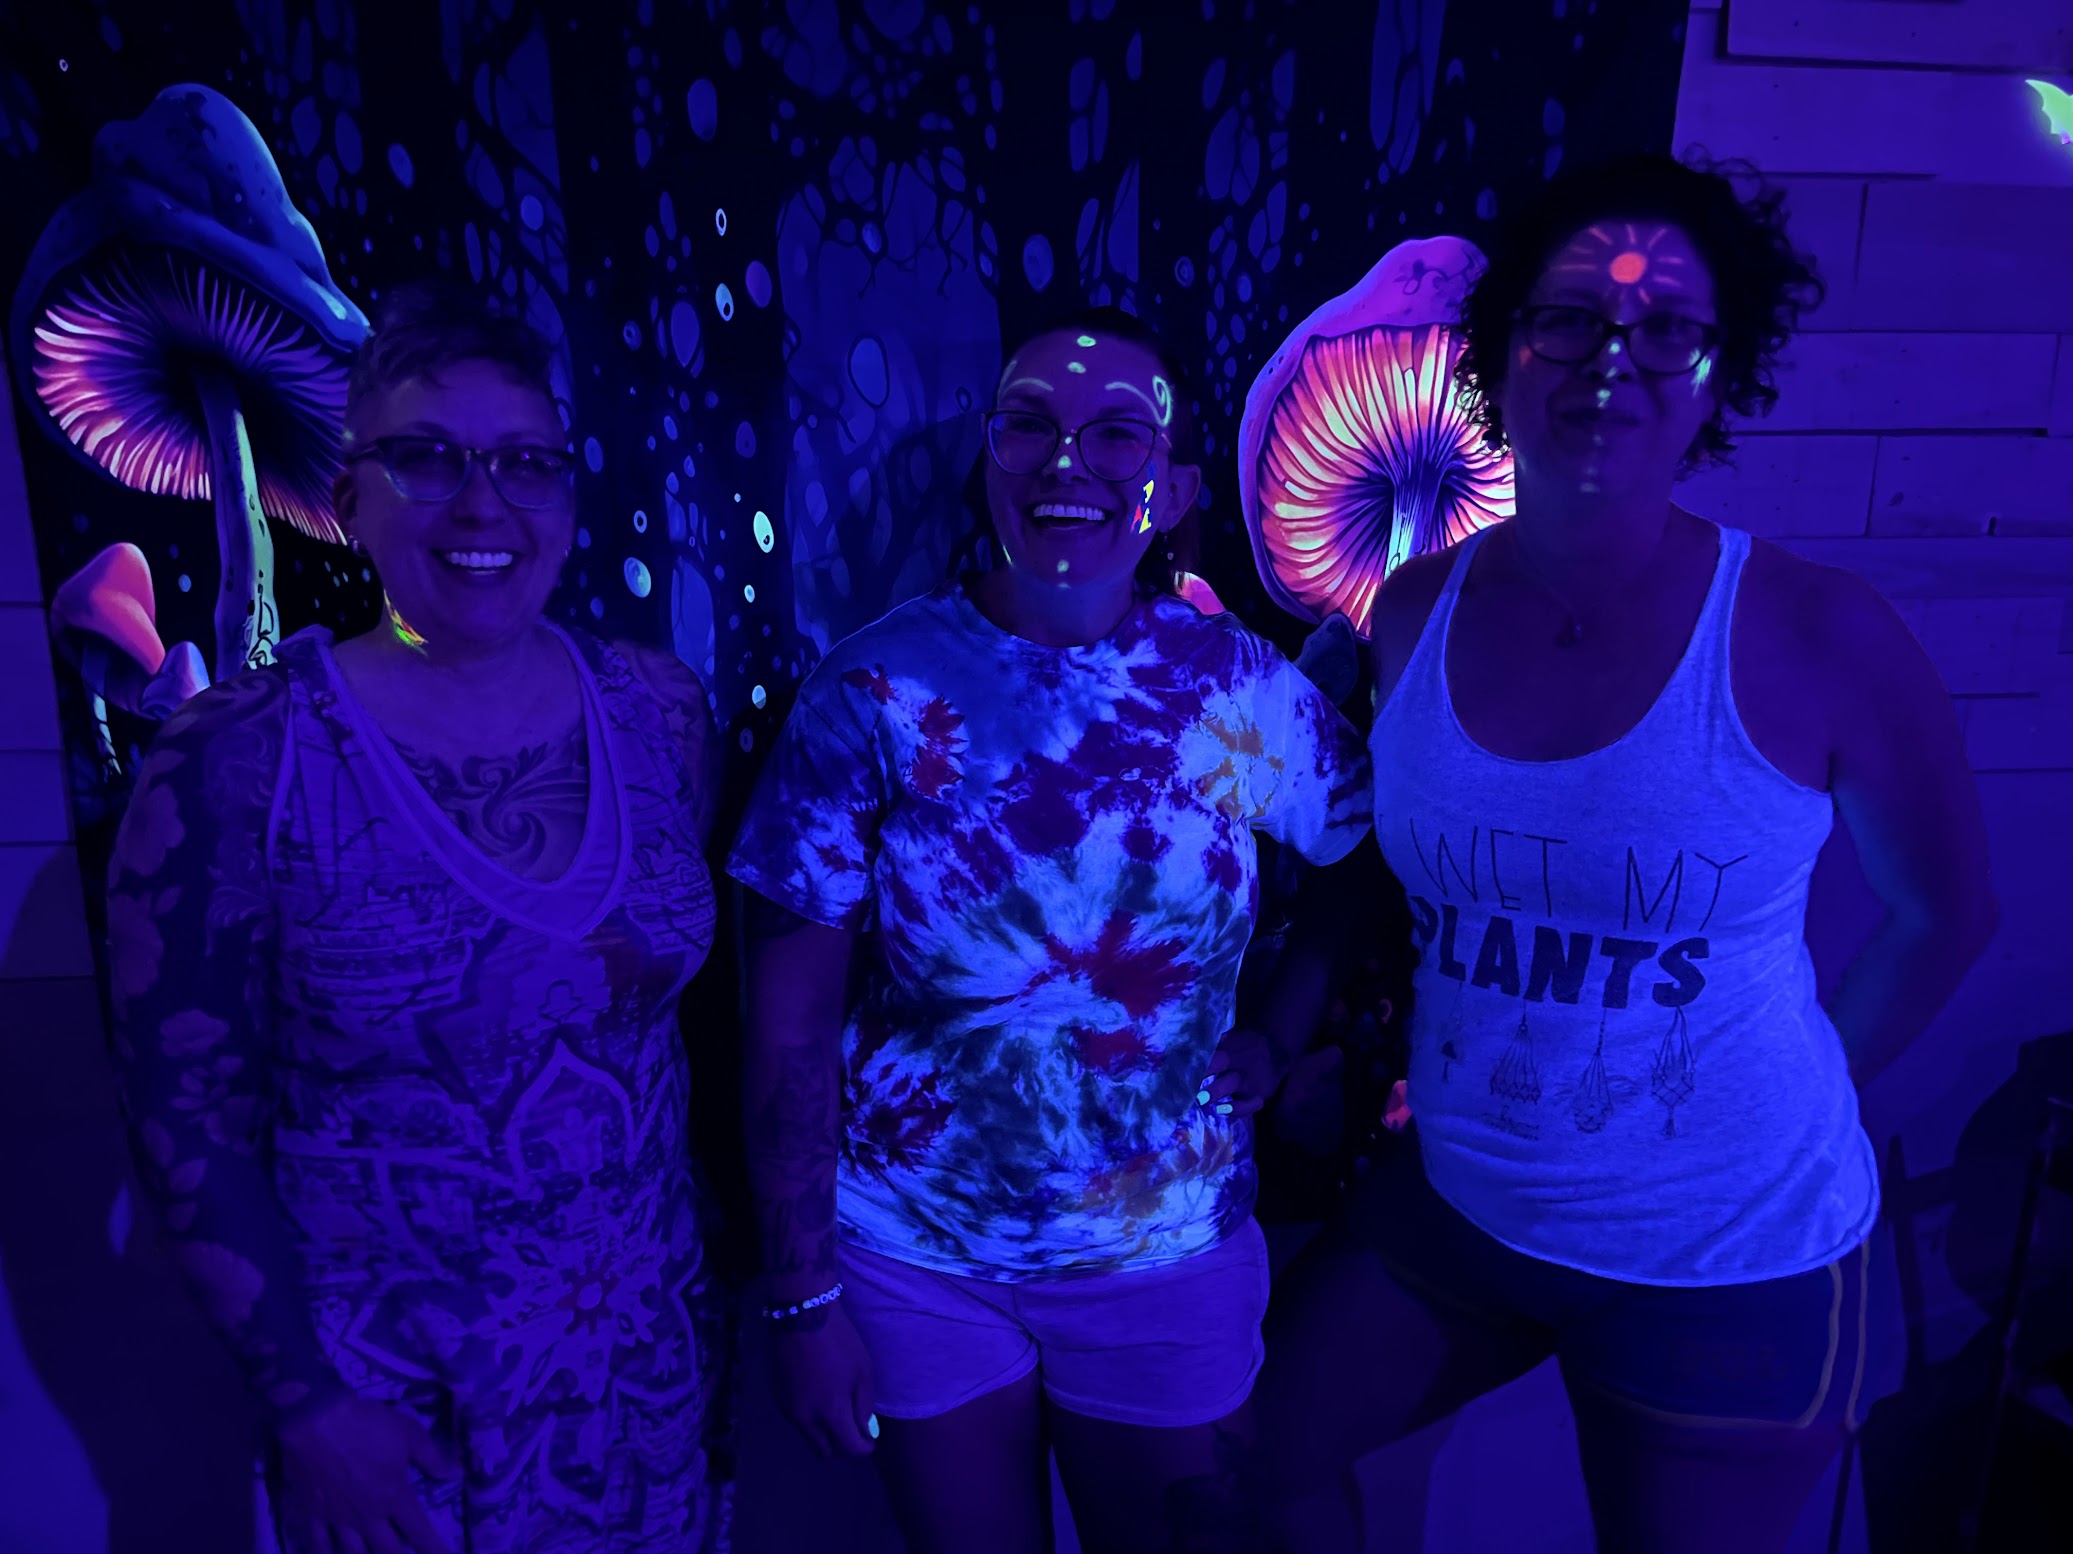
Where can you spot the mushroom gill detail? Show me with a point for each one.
(1370, 456)
(117, 389)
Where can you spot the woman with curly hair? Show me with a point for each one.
(1610, 739)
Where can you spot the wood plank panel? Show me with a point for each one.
(2035, 36)
(1890, 382)
(32, 797)
(28, 695)
(1988, 647)
(1781, 486)
(1973, 485)
(1825, 217)
(1794, 119)
(1951, 569)
(1938, 255)
(42, 914)
(2021, 733)
(2058, 420)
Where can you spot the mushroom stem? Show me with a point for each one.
(1417, 497)
(245, 625)
(104, 737)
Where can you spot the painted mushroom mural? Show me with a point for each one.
(1357, 449)
(104, 619)
(179, 328)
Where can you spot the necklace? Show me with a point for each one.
(1572, 632)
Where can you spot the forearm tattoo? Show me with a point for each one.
(794, 1115)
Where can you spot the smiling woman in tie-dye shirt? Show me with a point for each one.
(1038, 788)
(1055, 846)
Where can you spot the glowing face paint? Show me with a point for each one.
(1636, 261)
(1702, 373)
(1075, 366)
(1159, 401)
(1141, 515)
(401, 627)
(1085, 342)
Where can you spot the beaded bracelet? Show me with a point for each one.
(812, 1302)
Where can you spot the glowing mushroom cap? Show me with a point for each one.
(185, 256)
(1357, 449)
(103, 619)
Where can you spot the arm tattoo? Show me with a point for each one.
(795, 1113)
(526, 809)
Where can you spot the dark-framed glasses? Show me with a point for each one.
(1115, 448)
(429, 469)
(1664, 344)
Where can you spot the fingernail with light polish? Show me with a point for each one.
(1201, 1097)
(1223, 1108)
(871, 1427)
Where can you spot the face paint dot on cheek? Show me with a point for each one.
(401, 627)
(1064, 567)
(1141, 520)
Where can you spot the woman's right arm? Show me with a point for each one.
(190, 925)
(797, 982)
(804, 858)
(797, 975)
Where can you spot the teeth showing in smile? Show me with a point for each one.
(1071, 511)
(478, 560)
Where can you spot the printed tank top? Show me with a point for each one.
(1619, 1062)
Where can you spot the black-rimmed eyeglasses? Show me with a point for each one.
(427, 469)
(1663, 344)
(1115, 448)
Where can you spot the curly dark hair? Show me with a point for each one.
(1761, 283)
(423, 327)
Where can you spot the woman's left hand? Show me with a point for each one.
(1244, 1073)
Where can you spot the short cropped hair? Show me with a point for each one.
(424, 327)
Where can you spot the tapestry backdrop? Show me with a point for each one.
(779, 246)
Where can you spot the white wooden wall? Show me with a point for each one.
(1925, 440)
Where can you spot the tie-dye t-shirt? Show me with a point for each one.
(1055, 849)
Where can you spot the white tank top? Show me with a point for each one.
(1618, 1059)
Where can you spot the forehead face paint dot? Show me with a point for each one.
(1635, 261)
(1085, 342)
(1075, 366)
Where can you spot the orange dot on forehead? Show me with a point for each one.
(1629, 267)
